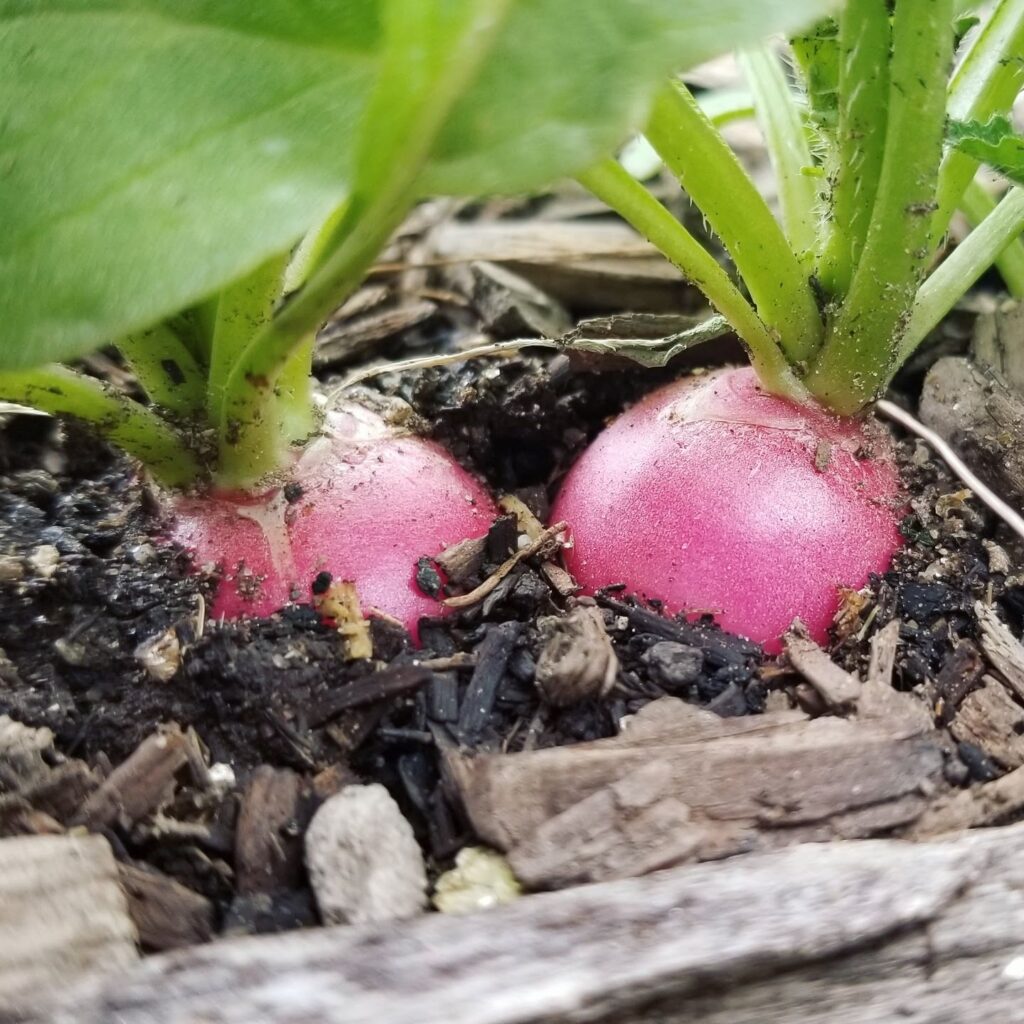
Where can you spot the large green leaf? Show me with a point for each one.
(567, 81)
(152, 151)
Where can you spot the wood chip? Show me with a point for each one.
(275, 809)
(773, 776)
(491, 659)
(994, 722)
(993, 803)
(344, 340)
(166, 914)
(509, 306)
(389, 682)
(560, 580)
(593, 266)
(463, 561)
(835, 685)
(144, 782)
(960, 674)
(63, 916)
(629, 828)
(883, 656)
(1002, 648)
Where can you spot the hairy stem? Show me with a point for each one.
(134, 428)
(166, 370)
(986, 82)
(712, 176)
(614, 186)
(863, 98)
(968, 261)
(862, 339)
(782, 121)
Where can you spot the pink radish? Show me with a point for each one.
(366, 504)
(713, 495)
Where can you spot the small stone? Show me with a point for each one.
(364, 863)
(44, 560)
(674, 665)
(480, 879)
(427, 577)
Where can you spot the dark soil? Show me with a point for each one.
(84, 583)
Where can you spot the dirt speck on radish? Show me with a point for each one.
(714, 496)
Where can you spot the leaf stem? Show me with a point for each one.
(135, 428)
(166, 370)
(862, 338)
(783, 124)
(715, 180)
(863, 100)
(432, 53)
(968, 261)
(612, 184)
(977, 204)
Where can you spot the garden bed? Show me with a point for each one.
(202, 749)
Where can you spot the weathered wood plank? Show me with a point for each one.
(854, 932)
(62, 916)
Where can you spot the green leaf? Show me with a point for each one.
(994, 143)
(567, 81)
(154, 150)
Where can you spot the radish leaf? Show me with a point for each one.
(154, 151)
(993, 143)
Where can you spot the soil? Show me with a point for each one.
(86, 581)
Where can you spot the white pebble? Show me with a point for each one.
(364, 863)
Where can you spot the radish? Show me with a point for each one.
(713, 495)
(362, 503)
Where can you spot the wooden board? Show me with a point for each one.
(858, 933)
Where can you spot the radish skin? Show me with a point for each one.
(372, 503)
(715, 496)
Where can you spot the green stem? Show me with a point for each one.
(863, 98)
(986, 82)
(134, 428)
(294, 395)
(166, 370)
(786, 137)
(614, 186)
(968, 261)
(432, 53)
(978, 203)
(232, 318)
(715, 180)
(862, 340)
